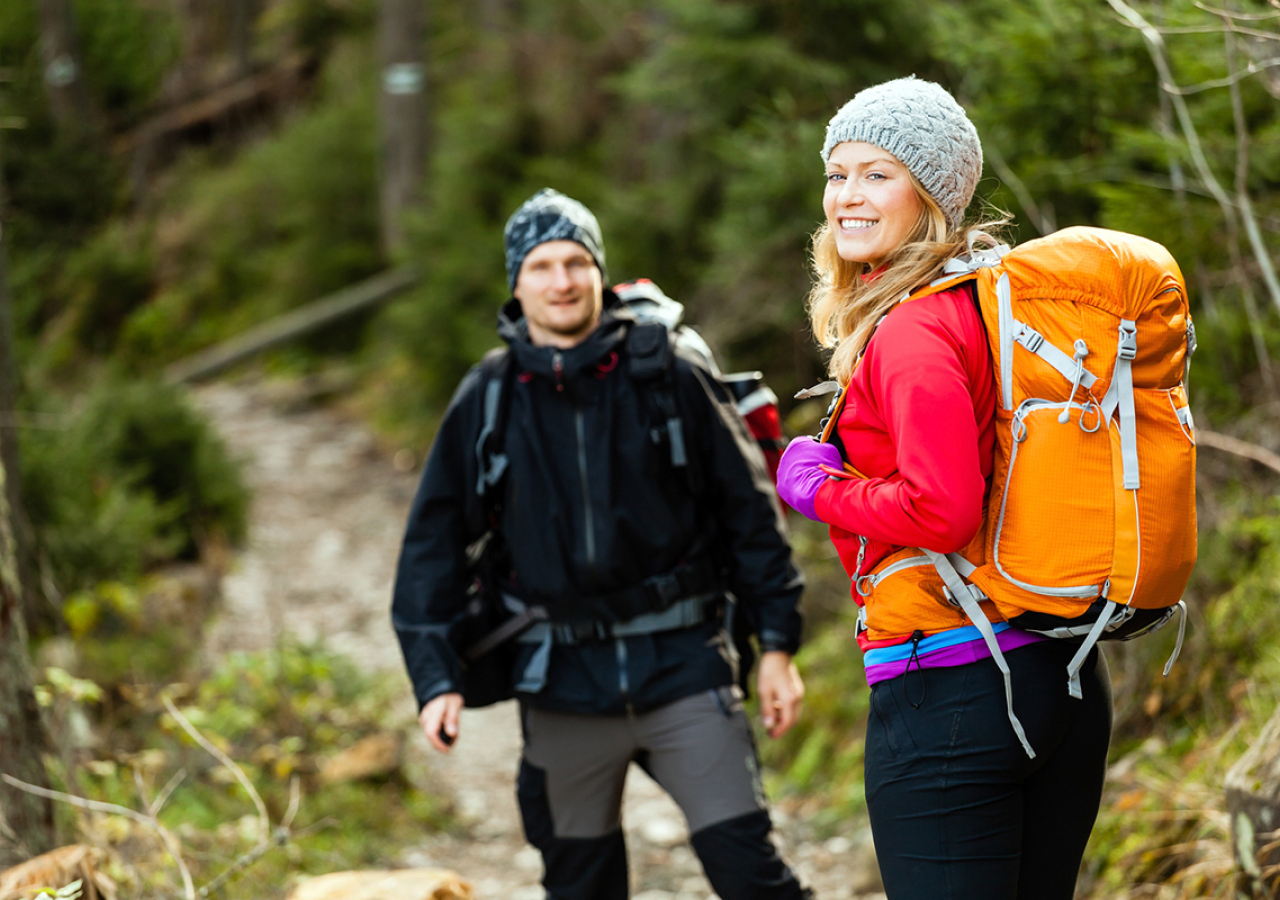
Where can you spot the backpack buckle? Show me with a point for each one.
(667, 589)
(1128, 347)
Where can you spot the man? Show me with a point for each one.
(630, 499)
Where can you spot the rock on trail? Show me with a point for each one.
(328, 512)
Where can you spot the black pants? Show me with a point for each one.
(958, 809)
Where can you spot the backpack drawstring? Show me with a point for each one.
(915, 657)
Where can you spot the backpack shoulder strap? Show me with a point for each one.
(648, 351)
(499, 374)
(946, 283)
(650, 361)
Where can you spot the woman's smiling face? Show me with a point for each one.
(870, 202)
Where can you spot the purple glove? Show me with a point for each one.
(799, 476)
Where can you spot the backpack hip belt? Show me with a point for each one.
(647, 601)
(684, 613)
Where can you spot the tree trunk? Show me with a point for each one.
(496, 17)
(402, 43)
(63, 77)
(26, 822)
(41, 612)
(244, 13)
(188, 74)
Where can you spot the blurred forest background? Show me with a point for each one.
(174, 172)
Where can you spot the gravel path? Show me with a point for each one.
(329, 509)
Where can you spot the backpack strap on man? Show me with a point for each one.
(499, 369)
(649, 358)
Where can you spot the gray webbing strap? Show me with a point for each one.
(1067, 366)
(490, 469)
(1007, 326)
(1182, 633)
(534, 678)
(1119, 396)
(682, 614)
(1073, 667)
(961, 565)
(967, 596)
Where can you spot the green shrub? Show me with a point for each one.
(135, 478)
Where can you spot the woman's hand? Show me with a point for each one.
(780, 690)
(800, 475)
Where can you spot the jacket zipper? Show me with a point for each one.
(624, 682)
(588, 519)
(557, 365)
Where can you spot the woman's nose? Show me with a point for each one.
(850, 193)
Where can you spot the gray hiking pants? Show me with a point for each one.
(699, 749)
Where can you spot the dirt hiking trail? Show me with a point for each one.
(328, 513)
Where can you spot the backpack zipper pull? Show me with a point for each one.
(1082, 350)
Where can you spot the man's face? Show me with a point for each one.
(561, 292)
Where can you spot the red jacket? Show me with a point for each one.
(919, 422)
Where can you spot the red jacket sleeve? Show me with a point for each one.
(918, 375)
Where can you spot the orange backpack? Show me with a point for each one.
(1091, 522)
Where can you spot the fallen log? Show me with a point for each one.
(265, 88)
(405, 884)
(56, 869)
(365, 295)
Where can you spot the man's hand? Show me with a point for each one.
(780, 689)
(440, 716)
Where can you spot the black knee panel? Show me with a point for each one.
(741, 862)
(586, 868)
(535, 808)
(574, 868)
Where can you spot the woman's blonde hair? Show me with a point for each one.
(844, 309)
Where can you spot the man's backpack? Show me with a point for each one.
(754, 400)
(1091, 518)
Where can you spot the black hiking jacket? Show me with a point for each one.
(592, 505)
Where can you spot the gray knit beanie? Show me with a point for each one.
(550, 216)
(923, 126)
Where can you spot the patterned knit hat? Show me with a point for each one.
(923, 126)
(550, 216)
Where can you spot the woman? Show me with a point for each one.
(959, 809)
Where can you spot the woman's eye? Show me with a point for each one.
(875, 176)
(833, 177)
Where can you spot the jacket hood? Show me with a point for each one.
(615, 320)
